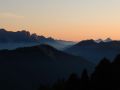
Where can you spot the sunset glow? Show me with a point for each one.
(72, 20)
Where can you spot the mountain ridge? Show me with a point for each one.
(93, 51)
(25, 68)
(25, 38)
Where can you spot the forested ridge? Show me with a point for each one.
(105, 76)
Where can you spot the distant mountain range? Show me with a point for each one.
(94, 51)
(28, 60)
(24, 38)
(25, 68)
(106, 40)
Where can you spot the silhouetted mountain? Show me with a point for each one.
(25, 68)
(22, 36)
(106, 76)
(94, 51)
(12, 40)
(86, 42)
(99, 40)
(106, 40)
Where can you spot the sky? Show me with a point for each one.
(72, 20)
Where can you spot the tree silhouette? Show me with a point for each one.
(116, 72)
(105, 76)
(101, 77)
(84, 80)
(59, 85)
(44, 87)
(73, 82)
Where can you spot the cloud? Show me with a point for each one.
(11, 16)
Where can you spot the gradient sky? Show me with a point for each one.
(63, 19)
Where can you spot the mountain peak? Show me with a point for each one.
(108, 40)
(2, 30)
(99, 40)
(87, 42)
(21, 36)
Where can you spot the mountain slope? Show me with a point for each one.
(94, 52)
(12, 40)
(25, 68)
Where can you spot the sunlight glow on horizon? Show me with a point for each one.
(71, 20)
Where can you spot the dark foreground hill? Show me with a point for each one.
(25, 68)
(106, 76)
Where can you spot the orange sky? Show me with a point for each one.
(64, 19)
(73, 32)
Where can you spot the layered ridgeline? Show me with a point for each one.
(94, 51)
(25, 68)
(12, 40)
(106, 76)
